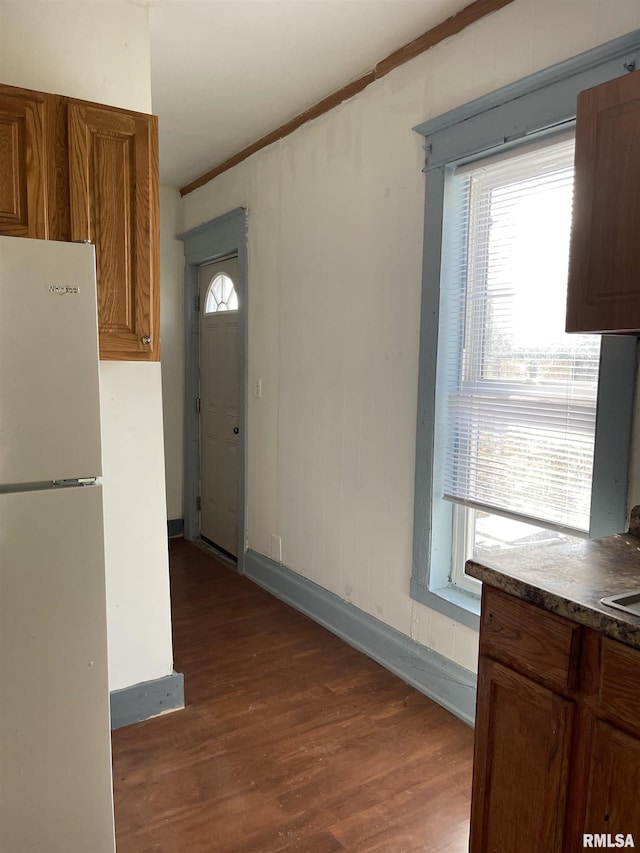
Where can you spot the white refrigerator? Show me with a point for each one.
(55, 747)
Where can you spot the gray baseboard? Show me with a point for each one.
(175, 527)
(447, 683)
(147, 699)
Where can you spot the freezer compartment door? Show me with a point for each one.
(55, 746)
(49, 392)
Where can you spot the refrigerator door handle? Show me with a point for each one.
(79, 481)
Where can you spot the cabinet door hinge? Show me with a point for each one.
(198, 503)
(198, 405)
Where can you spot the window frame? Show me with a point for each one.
(463, 524)
(540, 105)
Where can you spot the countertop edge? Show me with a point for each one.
(614, 624)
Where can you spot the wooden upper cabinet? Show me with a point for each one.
(74, 170)
(604, 268)
(24, 163)
(113, 183)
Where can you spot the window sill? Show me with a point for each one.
(451, 601)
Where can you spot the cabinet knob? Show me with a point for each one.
(146, 339)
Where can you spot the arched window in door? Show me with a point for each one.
(221, 295)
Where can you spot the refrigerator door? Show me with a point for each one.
(55, 747)
(49, 392)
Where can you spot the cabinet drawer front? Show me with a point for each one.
(529, 639)
(619, 684)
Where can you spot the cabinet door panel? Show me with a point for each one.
(113, 188)
(619, 694)
(604, 270)
(523, 739)
(22, 166)
(614, 782)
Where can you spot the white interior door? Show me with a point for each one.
(219, 411)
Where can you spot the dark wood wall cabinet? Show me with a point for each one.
(74, 170)
(604, 266)
(557, 749)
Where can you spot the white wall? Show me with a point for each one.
(172, 350)
(138, 609)
(93, 49)
(335, 254)
(99, 51)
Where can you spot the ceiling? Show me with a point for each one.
(226, 72)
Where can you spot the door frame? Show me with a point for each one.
(213, 241)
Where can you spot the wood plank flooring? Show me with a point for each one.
(291, 740)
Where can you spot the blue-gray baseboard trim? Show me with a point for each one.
(175, 527)
(146, 699)
(447, 683)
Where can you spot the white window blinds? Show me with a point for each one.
(520, 393)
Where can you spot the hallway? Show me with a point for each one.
(291, 740)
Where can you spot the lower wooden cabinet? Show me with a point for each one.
(613, 793)
(557, 752)
(519, 794)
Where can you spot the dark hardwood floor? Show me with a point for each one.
(291, 740)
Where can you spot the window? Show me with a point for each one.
(221, 295)
(521, 436)
(520, 393)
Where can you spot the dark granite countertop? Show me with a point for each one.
(570, 577)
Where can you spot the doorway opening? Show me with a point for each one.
(215, 295)
(219, 404)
